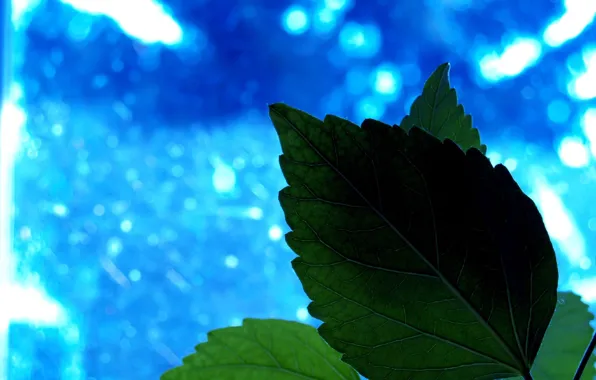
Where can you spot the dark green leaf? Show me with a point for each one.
(261, 349)
(565, 341)
(437, 112)
(423, 262)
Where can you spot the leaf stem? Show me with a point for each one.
(586, 358)
(528, 376)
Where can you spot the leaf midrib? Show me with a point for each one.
(447, 283)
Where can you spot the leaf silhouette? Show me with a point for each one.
(260, 349)
(437, 111)
(422, 261)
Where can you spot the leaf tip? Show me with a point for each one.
(445, 66)
(275, 107)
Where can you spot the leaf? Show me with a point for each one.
(565, 341)
(438, 112)
(422, 261)
(260, 349)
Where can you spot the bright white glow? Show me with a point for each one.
(145, 20)
(324, 20)
(579, 14)
(13, 118)
(30, 305)
(358, 40)
(275, 232)
(60, 210)
(525, 52)
(302, 314)
(255, 213)
(584, 287)
(586, 263)
(573, 152)
(21, 9)
(558, 221)
(295, 20)
(337, 5)
(126, 226)
(583, 86)
(494, 157)
(589, 126)
(386, 80)
(22, 303)
(224, 178)
(353, 37)
(12, 122)
(231, 261)
(516, 57)
(510, 164)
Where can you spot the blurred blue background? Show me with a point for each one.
(139, 169)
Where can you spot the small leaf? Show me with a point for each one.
(422, 261)
(565, 341)
(438, 112)
(263, 349)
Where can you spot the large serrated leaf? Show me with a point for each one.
(437, 111)
(565, 341)
(261, 349)
(422, 261)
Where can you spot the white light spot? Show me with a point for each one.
(516, 57)
(255, 213)
(126, 225)
(589, 127)
(559, 222)
(511, 164)
(360, 40)
(325, 20)
(573, 152)
(231, 261)
(302, 314)
(275, 232)
(577, 17)
(33, 306)
(295, 20)
(387, 80)
(60, 210)
(224, 178)
(494, 157)
(57, 129)
(337, 5)
(156, 25)
(114, 247)
(582, 85)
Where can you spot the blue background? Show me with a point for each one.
(139, 168)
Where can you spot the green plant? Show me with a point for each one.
(422, 260)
